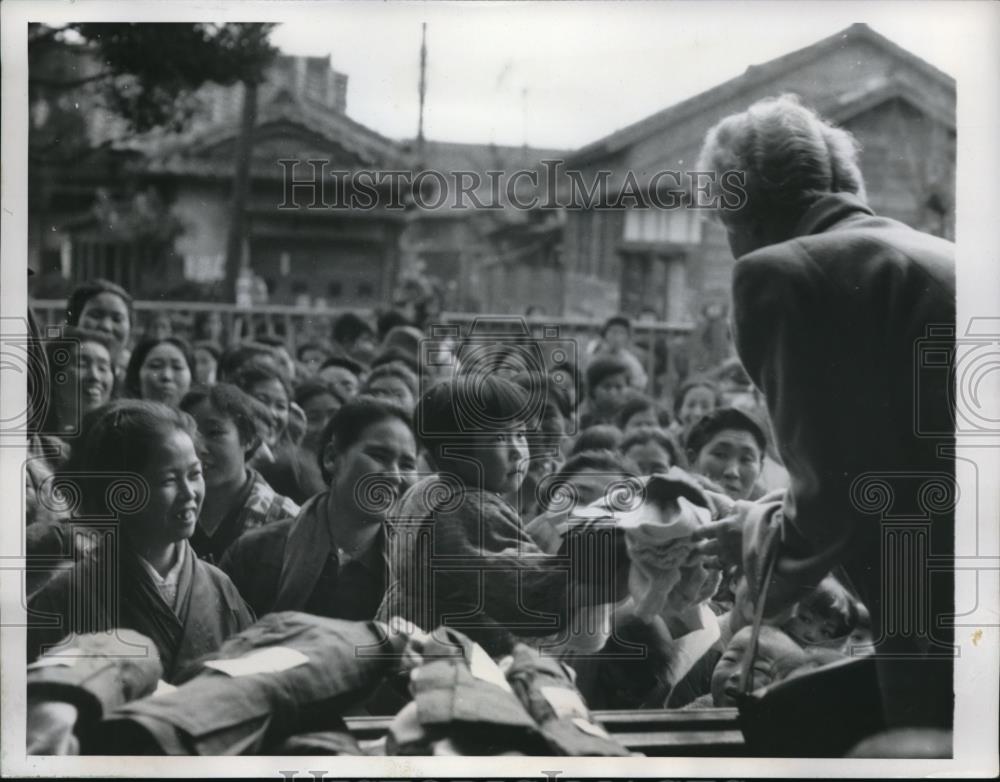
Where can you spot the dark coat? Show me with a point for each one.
(830, 326)
(310, 578)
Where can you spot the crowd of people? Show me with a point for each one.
(232, 490)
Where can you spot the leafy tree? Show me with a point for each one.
(148, 73)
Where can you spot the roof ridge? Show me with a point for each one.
(754, 73)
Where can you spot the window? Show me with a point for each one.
(675, 226)
(334, 288)
(365, 290)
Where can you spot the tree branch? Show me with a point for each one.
(70, 83)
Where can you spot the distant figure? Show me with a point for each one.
(616, 338)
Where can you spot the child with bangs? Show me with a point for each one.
(502, 587)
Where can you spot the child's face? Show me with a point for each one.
(502, 461)
(649, 457)
(808, 627)
(771, 651)
(610, 392)
(733, 460)
(698, 402)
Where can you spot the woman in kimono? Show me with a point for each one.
(139, 481)
(237, 498)
(330, 559)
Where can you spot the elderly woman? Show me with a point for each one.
(830, 304)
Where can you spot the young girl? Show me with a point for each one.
(498, 584)
(237, 498)
(160, 370)
(186, 606)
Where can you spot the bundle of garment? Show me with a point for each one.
(290, 673)
(73, 686)
(656, 524)
(546, 689)
(462, 704)
(465, 703)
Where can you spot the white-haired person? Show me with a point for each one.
(830, 304)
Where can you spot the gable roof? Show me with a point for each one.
(754, 76)
(877, 91)
(188, 152)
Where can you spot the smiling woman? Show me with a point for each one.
(82, 376)
(329, 560)
(137, 461)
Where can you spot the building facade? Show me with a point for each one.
(673, 264)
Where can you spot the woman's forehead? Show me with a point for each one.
(171, 450)
(166, 350)
(105, 300)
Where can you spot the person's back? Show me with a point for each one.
(833, 310)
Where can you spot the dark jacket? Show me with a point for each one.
(831, 326)
(308, 575)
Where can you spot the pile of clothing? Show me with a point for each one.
(284, 685)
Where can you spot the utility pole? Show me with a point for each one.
(423, 87)
(241, 186)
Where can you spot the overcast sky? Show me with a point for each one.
(564, 74)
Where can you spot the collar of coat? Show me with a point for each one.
(830, 209)
(307, 548)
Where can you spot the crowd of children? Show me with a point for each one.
(246, 481)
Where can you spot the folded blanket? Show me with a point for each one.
(289, 673)
(545, 688)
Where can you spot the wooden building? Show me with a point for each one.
(673, 263)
